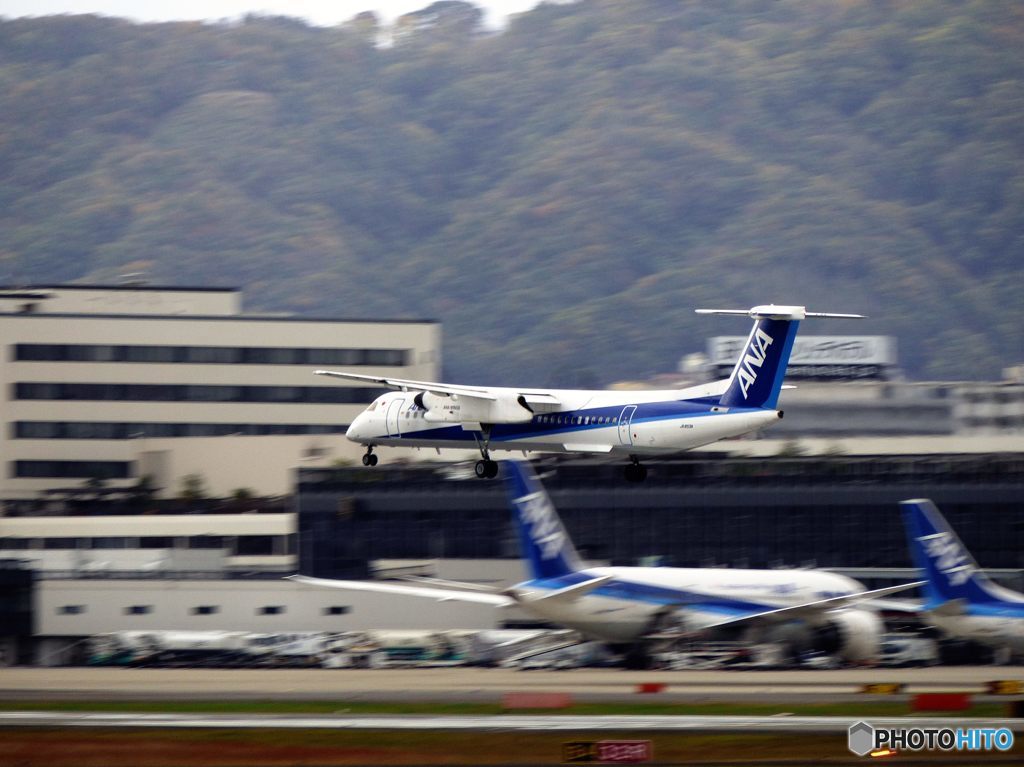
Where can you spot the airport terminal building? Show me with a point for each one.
(109, 384)
(700, 511)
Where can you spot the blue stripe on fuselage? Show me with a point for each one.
(645, 413)
(994, 610)
(651, 594)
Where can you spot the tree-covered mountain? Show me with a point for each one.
(561, 195)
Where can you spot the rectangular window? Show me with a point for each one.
(334, 357)
(165, 354)
(60, 543)
(271, 610)
(118, 431)
(254, 545)
(109, 392)
(138, 610)
(198, 355)
(72, 469)
(223, 355)
(206, 610)
(109, 543)
(206, 542)
(156, 542)
(70, 609)
(336, 610)
(385, 357)
(260, 356)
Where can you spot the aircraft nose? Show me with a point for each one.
(357, 429)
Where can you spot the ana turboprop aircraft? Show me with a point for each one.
(960, 600)
(439, 415)
(631, 605)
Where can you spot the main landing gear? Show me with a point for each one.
(636, 471)
(485, 468)
(369, 459)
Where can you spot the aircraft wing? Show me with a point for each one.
(403, 384)
(470, 594)
(541, 401)
(813, 608)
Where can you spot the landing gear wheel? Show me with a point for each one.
(486, 469)
(636, 472)
(369, 459)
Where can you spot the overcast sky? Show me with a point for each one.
(322, 12)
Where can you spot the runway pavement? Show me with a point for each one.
(483, 684)
(566, 722)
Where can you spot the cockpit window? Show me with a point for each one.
(373, 406)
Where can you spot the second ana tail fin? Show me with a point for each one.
(543, 540)
(945, 562)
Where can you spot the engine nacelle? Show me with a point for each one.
(462, 408)
(853, 634)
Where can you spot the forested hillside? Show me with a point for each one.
(561, 195)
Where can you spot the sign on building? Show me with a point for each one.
(818, 357)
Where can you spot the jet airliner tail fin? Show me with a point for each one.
(543, 540)
(950, 570)
(757, 377)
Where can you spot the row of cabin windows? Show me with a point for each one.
(199, 355)
(577, 420)
(200, 610)
(237, 545)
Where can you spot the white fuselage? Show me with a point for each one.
(586, 421)
(992, 630)
(627, 607)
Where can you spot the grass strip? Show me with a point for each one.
(55, 747)
(866, 708)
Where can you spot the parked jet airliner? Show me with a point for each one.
(960, 600)
(628, 605)
(439, 415)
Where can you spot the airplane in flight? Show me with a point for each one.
(440, 415)
(633, 606)
(959, 599)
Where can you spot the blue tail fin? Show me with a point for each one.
(544, 543)
(949, 569)
(757, 378)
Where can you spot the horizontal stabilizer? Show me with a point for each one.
(577, 590)
(773, 312)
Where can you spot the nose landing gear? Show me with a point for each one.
(369, 459)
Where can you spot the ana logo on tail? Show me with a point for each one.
(545, 529)
(949, 557)
(754, 359)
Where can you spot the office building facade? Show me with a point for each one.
(101, 384)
